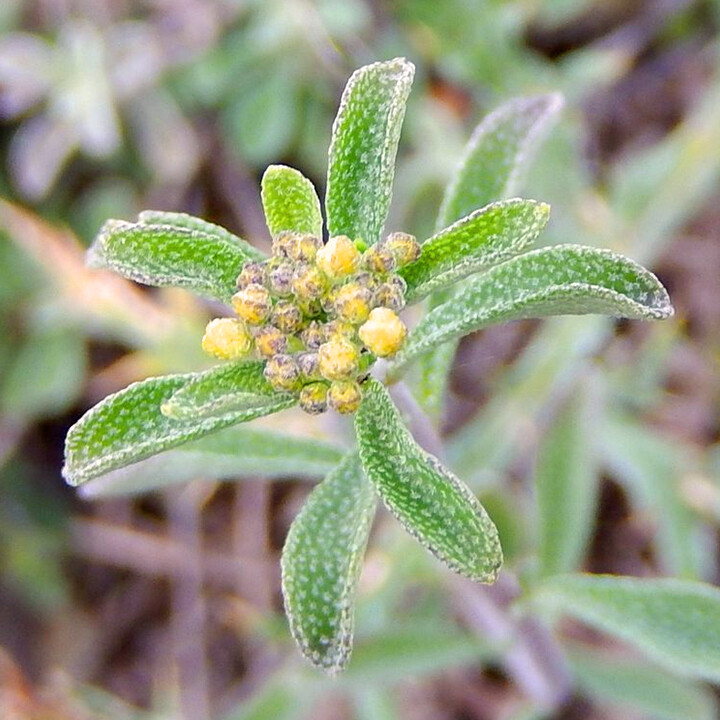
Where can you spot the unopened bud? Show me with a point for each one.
(252, 273)
(390, 295)
(309, 283)
(344, 396)
(313, 398)
(338, 359)
(339, 257)
(404, 248)
(253, 304)
(309, 364)
(270, 341)
(283, 373)
(282, 245)
(227, 339)
(287, 316)
(341, 329)
(383, 333)
(305, 248)
(352, 303)
(378, 259)
(280, 278)
(313, 336)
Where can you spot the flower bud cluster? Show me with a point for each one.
(319, 315)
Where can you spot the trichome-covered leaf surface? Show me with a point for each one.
(225, 454)
(674, 622)
(560, 280)
(129, 426)
(478, 241)
(290, 202)
(362, 153)
(321, 564)
(233, 387)
(497, 155)
(171, 249)
(432, 504)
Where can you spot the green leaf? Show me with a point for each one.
(478, 241)
(363, 148)
(290, 202)
(560, 280)
(190, 222)
(566, 477)
(497, 154)
(128, 426)
(612, 678)
(187, 253)
(235, 452)
(433, 505)
(321, 564)
(676, 623)
(231, 387)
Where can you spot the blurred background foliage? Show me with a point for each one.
(594, 444)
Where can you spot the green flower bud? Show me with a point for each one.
(344, 396)
(287, 316)
(283, 373)
(253, 304)
(313, 398)
(270, 341)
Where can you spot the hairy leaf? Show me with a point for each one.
(128, 426)
(478, 241)
(674, 622)
(566, 477)
(560, 280)
(627, 682)
(321, 564)
(226, 454)
(362, 153)
(497, 154)
(432, 504)
(232, 387)
(188, 253)
(290, 202)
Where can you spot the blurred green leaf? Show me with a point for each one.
(497, 154)
(179, 255)
(432, 504)
(227, 454)
(128, 426)
(566, 477)
(560, 280)
(321, 564)
(230, 387)
(363, 148)
(290, 202)
(480, 240)
(283, 697)
(676, 623)
(638, 686)
(46, 374)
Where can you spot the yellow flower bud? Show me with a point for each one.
(378, 259)
(352, 303)
(383, 333)
(305, 248)
(313, 398)
(309, 283)
(287, 316)
(404, 248)
(344, 396)
(283, 373)
(391, 295)
(283, 244)
(253, 304)
(227, 339)
(338, 359)
(339, 257)
(340, 328)
(270, 341)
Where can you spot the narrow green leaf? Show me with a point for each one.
(188, 253)
(231, 387)
(321, 564)
(235, 452)
(566, 478)
(629, 683)
(560, 280)
(497, 154)
(362, 153)
(478, 241)
(290, 202)
(432, 504)
(128, 426)
(676, 623)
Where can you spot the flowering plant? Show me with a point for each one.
(312, 321)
